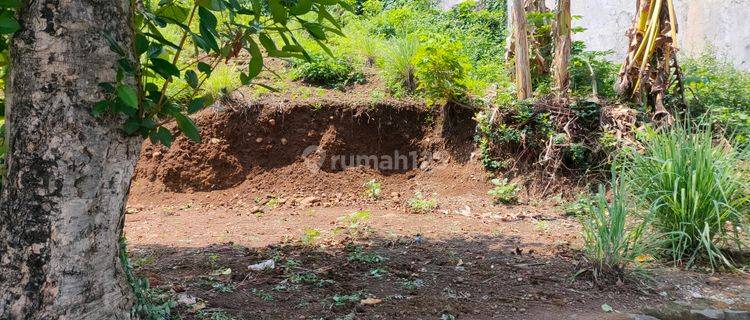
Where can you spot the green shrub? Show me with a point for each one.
(148, 303)
(372, 189)
(580, 207)
(591, 73)
(716, 88)
(372, 7)
(694, 189)
(420, 204)
(440, 69)
(504, 192)
(479, 29)
(612, 239)
(327, 72)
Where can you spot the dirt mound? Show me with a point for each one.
(242, 143)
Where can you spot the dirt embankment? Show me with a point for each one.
(323, 147)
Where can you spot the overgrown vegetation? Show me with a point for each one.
(327, 72)
(718, 90)
(421, 50)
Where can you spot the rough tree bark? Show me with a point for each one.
(68, 173)
(562, 47)
(521, 50)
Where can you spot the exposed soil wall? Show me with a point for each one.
(242, 142)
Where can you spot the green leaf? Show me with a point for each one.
(348, 7)
(164, 136)
(192, 79)
(215, 5)
(302, 7)
(132, 125)
(173, 12)
(256, 60)
(323, 13)
(10, 3)
(207, 19)
(267, 43)
(201, 43)
(99, 108)
(187, 127)
(126, 65)
(196, 105)
(128, 96)
(141, 44)
(165, 68)
(205, 68)
(257, 8)
(208, 32)
(245, 79)
(113, 45)
(278, 11)
(269, 88)
(8, 23)
(315, 29)
(107, 87)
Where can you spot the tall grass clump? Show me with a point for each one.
(613, 237)
(398, 63)
(694, 188)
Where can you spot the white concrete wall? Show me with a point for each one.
(721, 24)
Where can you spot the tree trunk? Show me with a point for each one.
(521, 46)
(562, 47)
(68, 173)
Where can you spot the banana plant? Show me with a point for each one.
(651, 67)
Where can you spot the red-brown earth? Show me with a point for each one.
(200, 214)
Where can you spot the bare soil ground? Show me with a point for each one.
(247, 194)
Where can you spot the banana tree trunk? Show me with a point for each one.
(68, 173)
(650, 68)
(562, 47)
(521, 51)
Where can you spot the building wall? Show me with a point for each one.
(723, 25)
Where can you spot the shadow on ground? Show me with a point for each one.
(382, 278)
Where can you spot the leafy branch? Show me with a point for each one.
(251, 28)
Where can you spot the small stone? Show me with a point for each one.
(707, 314)
(712, 280)
(309, 201)
(269, 264)
(259, 140)
(215, 141)
(186, 299)
(256, 209)
(736, 315)
(272, 122)
(642, 317)
(370, 301)
(284, 141)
